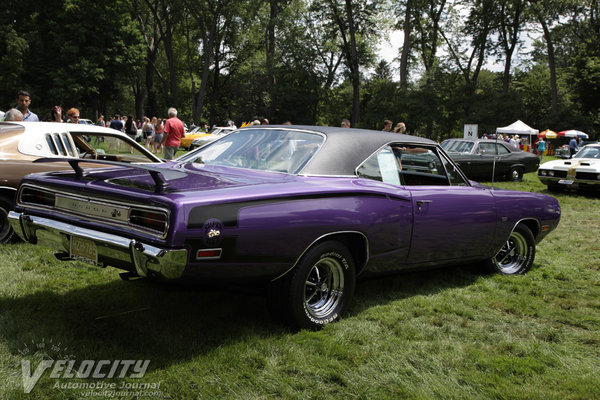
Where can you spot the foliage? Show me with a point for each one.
(309, 62)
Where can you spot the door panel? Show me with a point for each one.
(451, 223)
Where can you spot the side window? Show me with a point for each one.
(421, 165)
(455, 178)
(502, 149)
(383, 166)
(487, 148)
(409, 165)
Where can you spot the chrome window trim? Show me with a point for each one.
(435, 148)
(266, 127)
(128, 206)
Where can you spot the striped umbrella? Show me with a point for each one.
(548, 134)
(573, 133)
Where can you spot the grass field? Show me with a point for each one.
(450, 333)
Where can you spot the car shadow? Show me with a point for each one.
(170, 323)
(379, 290)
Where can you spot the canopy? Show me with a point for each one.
(548, 134)
(573, 133)
(518, 128)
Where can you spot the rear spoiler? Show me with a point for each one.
(160, 176)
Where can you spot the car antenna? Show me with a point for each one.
(494, 161)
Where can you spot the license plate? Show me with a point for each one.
(84, 250)
(565, 182)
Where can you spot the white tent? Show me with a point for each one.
(518, 128)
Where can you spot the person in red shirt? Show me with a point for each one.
(174, 131)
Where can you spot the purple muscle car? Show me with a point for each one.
(304, 209)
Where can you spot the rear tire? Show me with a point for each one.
(6, 231)
(516, 255)
(318, 290)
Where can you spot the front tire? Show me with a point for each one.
(516, 255)
(515, 174)
(318, 290)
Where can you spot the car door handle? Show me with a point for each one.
(421, 202)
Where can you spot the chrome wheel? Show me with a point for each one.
(514, 254)
(515, 174)
(324, 287)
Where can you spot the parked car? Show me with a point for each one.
(476, 159)
(301, 210)
(86, 121)
(22, 143)
(192, 135)
(215, 133)
(580, 172)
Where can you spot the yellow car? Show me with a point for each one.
(186, 141)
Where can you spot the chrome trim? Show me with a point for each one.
(512, 230)
(324, 236)
(554, 179)
(184, 158)
(148, 260)
(128, 206)
(435, 148)
(327, 176)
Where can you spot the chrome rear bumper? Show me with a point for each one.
(146, 260)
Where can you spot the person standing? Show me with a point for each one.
(400, 127)
(174, 131)
(573, 148)
(117, 123)
(159, 130)
(56, 114)
(13, 115)
(541, 148)
(130, 127)
(73, 115)
(23, 102)
(387, 125)
(147, 132)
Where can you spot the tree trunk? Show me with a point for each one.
(168, 43)
(353, 63)
(406, 45)
(270, 53)
(551, 66)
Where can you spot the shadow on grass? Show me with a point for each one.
(172, 323)
(373, 291)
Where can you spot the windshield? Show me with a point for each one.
(459, 146)
(265, 149)
(588, 152)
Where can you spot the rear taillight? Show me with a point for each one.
(37, 197)
(149, 220)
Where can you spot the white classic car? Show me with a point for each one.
(580, 172)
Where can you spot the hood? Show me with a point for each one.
(574, 162)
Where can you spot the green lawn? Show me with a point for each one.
(449, 333)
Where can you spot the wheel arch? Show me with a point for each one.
(356, 242)
(8, 193)
(532, 224)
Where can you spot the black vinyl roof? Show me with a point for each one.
(346, 148)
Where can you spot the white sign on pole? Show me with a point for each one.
(471, 131)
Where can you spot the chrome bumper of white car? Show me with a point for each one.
(107, 249)
(568, 181)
